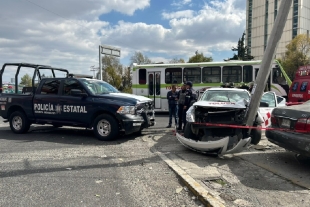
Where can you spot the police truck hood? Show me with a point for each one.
(127, 95)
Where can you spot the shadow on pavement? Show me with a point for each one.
(63, 135)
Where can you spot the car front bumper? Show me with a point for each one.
(220, 146)
(292, 141)
(135, 123)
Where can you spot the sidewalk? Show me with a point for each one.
(234, 180)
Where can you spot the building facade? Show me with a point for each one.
(260, 17)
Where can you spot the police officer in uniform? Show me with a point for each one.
(181, 101)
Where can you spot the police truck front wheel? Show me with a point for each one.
(106, 127)
(19, 123)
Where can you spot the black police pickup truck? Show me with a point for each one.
(73, 101)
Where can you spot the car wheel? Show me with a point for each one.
(19, 123)
(256, 136)
(106, 127)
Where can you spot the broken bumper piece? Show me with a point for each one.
(219, 146)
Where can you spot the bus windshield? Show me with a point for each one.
(99, 87)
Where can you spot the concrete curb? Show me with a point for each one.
(203, 195)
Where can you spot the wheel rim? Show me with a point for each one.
(17, 122)
(104, 128)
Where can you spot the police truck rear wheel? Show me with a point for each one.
(106, 128)
(19, 123)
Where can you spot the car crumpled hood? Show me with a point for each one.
(238, 105)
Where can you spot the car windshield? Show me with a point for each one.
(225, 96)
(99, 87)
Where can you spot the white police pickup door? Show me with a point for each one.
(203, 132)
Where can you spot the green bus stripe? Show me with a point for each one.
(169, 85)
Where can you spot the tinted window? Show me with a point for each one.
(71, 84)
(303, 86)
(211, 75)
(173, 75)
(247, 73)
(232, 74)
(295, 86)
(99, 87)
(50, 87)
(192, 74)
(142, 76)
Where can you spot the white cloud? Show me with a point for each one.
(178, 14)
(67, 33)
(216, 27)
(59, 33)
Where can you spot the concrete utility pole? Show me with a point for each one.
(264, 71)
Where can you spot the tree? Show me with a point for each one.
(297, 54)
(127, 80)
(26, 80)
(139, 58)
(112, 71)
(243, 52)
(199, 57)
(176, 60)
(116, 74)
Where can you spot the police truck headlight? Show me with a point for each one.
(190, 114)
(127, 110)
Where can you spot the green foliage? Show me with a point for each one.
(114, 73)
(297, 54)
(242, 51)
(139, 58)
(26, 80)
(199, 57)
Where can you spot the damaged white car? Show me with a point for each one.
(203, 131)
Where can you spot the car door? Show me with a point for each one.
(74, 108)
(268, 103)
(46, 101)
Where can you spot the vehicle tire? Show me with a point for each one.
(106, 127)
(188, 131)
(19, 123)
(256, 136)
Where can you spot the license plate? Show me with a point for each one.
(286, 123)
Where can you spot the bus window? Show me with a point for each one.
(173, 75)
(247, 73)
(151, 84)
(232, 74)
(142, 76)
(211, 74)
(157, 84)
(192, 74)
(277, 76)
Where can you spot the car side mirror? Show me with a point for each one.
(263, 104)
(77, 92)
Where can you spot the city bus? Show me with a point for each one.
(155, 80)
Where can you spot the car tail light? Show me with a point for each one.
(274, 120)
(303, 124)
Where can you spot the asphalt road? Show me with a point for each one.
(70, 167)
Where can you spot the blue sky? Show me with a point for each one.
(67, 33)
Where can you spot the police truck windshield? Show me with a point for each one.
(99, 87)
